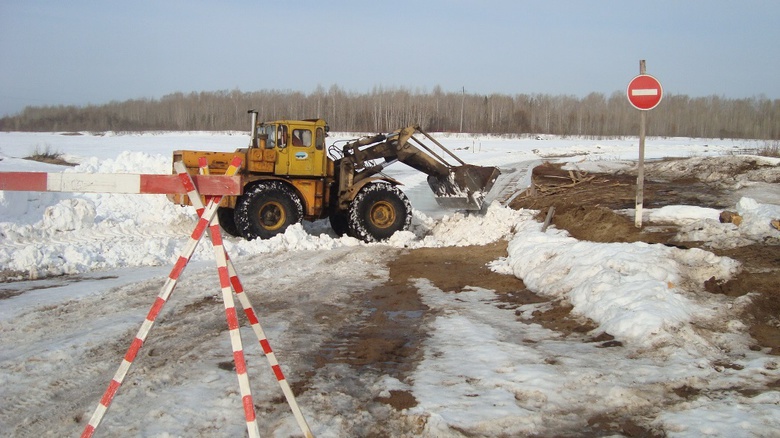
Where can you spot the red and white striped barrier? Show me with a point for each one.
(117, 183)
(170, 283)
(229, 281)
(249, 311)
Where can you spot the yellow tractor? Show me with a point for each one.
(289, 175)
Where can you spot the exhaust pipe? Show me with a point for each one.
(253, 130)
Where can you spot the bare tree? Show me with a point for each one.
(385, 109)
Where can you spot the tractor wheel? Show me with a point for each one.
(339, 222)
(379, 210)
(227, 221)
(266, 209)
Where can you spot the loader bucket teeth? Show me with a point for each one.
(465, 187)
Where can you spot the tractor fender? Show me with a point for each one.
(250, 181)
(355, 189)
(230, 201)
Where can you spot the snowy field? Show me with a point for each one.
(482, 374)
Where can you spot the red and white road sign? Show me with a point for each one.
(644, 92)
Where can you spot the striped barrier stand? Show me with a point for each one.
(220, 254)
(170, 283)
(249, 311)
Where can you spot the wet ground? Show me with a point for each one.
(388, 337)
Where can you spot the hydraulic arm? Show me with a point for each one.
(460, 186)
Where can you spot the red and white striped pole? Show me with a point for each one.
(249, 311)
(170, 283)
(235, 334)
(220, 254)
(116, 183)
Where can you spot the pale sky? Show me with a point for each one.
(93, 52)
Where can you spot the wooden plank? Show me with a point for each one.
(23, 181)
(209, 185)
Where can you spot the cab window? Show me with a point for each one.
(281, 136)
(301, 137)
(320, 144)
(270, 132)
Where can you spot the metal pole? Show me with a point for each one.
(640, 176)
(462, 102)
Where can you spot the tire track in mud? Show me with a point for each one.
(59, 388)
(72, 387)
(386, 336)
(336, 338)
(58, 359)
(386, 328)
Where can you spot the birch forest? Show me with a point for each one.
(382, 110)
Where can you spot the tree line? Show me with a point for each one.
(383, 110)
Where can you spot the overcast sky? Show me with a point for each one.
(92, 52)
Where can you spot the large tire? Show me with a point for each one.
(339, 222)
(227, 221)
(378, 211)
(266, 209)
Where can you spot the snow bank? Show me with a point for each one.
(757, 219)
(632, 290)
(756, 226)
(733, 171)
(679, 214)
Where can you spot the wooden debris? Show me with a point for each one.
(730, 217)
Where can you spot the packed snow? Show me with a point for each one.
(483, 373)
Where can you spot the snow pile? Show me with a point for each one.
(732, 171)
(756, 227)
(65, 233)
(757, 220)
(634, 291)
(679, 214)
(69, 215)
(102, 231)
(459, 228)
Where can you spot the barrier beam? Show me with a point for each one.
(209, 185)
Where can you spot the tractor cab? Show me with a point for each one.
(298, 145)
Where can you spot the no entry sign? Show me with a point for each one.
(644, 92)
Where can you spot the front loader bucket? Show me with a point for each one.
(465, 187)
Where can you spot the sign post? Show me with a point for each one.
(644, 93)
